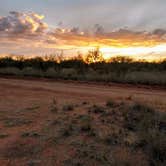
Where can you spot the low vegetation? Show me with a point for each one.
(114, 133)
(68, 107)
(119, 69)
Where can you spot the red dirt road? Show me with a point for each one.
(19, 92)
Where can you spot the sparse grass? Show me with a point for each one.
(68, 107)
(86, 126)
(54, 102)
(33, 162)
(89, 154)
(53, 109)
(110, 103)
(84, 102)
(100, 135)
(145, 121)
(138, 128)
(129, 97)
(30, 134)
(3, 135)
(111, 139)
(67, 130)
(13, 122)
(139, 112)
(22, 149)
(32, 108)
(97, 109)
(10, 71)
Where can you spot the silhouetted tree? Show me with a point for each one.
(94, 56)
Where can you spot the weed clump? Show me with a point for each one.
(68, 107)
(13, 122)
(110, 103)
(54, 107)
(97, 109)
(67, 130)
(30, 134)
(3, 135)
(145, 121)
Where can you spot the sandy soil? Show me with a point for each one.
(19, 92)
(30, 101)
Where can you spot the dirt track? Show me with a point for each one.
(14, 91)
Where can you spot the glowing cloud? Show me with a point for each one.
(23, 31)
(22, 24)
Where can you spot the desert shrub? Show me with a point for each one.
(53, 109)
(51, 72)
(145, 121)
(85, 123)
(29, 71)
(120, 69)
(92, 76)
(111, 139)
(97, 109)
(146, 77)
(3, 135)
(30, 134)
(138, 112)
(13, 122)
(67, 130)
(7, 62)
(22, 149)
(10, 71)
(110, 103)
(68, 73)
(73, 63)
(85, 103)
(68, 107)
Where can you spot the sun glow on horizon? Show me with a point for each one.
(134, 52)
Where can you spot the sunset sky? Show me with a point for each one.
(119, 27)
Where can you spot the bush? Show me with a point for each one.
(110, 104)
(10, 71)
(68, 73)
(68, 107)
(146, 77)
(51, 73)
(29, 71)
(97, 109)
(120, 69)
(145, 121)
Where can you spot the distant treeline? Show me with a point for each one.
(119, 69)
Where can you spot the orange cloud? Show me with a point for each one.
(27, 30)
(20, 25)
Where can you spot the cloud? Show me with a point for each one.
(159, 32)
(98, 29)
(120, 38)
(19, 24)
(29, 30)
